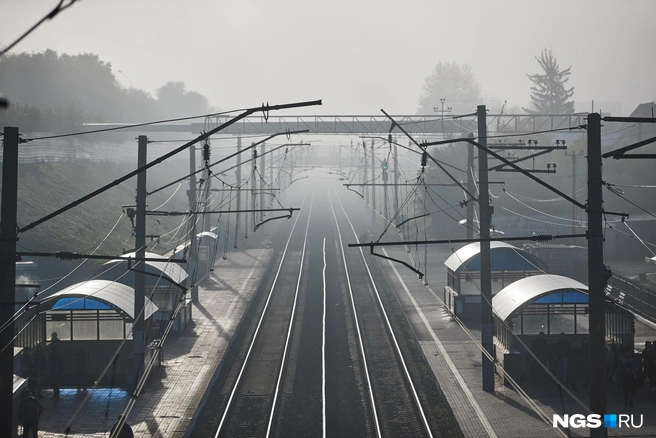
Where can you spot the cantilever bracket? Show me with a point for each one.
(348, 187)
(409, 219)
(503, 167)
(407, 265)
(288, 216)
(293, 181)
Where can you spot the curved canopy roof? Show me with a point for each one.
(207, 234)
(504, 257)
(200, 236)
(545, 288)
(87, 294)
(171, 271)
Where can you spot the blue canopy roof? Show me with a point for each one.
(97, 295)
(538, 289)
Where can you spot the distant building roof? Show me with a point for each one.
(207, 234)
(200, 236)
(114, 294)
(171, 271)
(530, 289)
(622, 134)
(504, 257)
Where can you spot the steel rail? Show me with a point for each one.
(357, 323)
(424, 420)
(257, 329)
(291, 322)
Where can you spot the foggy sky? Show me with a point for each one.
(358, 56)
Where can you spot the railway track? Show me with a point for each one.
(251, 403)
(396, 405)
(317, 355)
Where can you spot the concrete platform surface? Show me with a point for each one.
(452, 350)
(174, 391)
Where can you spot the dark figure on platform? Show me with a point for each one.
(574, 368)
(552, 357)
(125, 431)
(624, 351)
(40, 363)
(25, 361)
(611, 361)
(32, 376)
(539, 348)
(82, 360)
(651, 357)
(630, 376)
(562, 348)
(650, 366)
(585, 360)
(645, 363)
(29, 411)
(56, 370)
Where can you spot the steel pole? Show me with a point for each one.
(469, 225)
(597, 275)
(8, 241)
(193, 247)
(139, 327)
(238, 176)
(485, 213)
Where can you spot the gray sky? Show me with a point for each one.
(358, 56)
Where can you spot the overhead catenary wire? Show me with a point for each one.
(60, 279)
(525, 396)
(164, 157)
(168, 327)
(639, 239)
(131, 126)
(618, 193)
(52, 14)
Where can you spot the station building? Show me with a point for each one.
(97, 315)
(165, 286)
(462, 293)
(552, 304)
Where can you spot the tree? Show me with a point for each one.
(174, 100)
(452, 82)
(549, 94)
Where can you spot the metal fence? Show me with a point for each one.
(72, 149)
(633, 296)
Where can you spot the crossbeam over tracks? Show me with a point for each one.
(363, 124)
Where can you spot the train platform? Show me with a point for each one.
(169, 401)
(451, 348)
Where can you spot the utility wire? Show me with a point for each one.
(639, 239)
(60, 7)
(164, 157)
(136, 125)
(619, 193)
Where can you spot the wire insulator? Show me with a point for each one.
(543, 237)
(65, 255)
(424, 158)
(206, 152)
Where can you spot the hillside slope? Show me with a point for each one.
(45, 187)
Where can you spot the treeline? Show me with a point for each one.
(50, 92)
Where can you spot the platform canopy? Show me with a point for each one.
(538, 289)
(504, 257)
(97, 295)
(171, 271)
(207, 234)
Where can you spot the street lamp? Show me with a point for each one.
(126, 77)
(436, 109)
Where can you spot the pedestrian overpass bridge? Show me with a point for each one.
(365, 125)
